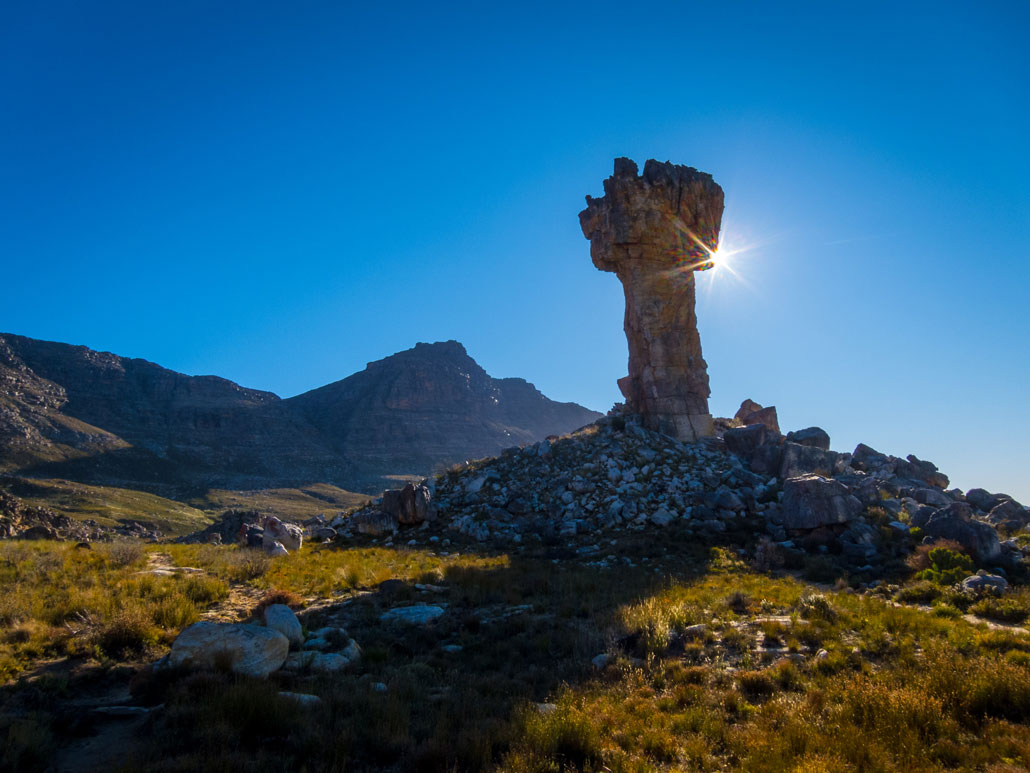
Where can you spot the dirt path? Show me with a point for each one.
(235, 607)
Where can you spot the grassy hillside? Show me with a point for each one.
(288, 503)
(109, 505)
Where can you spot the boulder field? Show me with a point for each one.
(749, 486)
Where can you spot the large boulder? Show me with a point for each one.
(1009, 513)
(982, 582)
(931, 496)
(802, 460)
(868, 459)
(811, 436)
(765, 416)
(247, 649)
(280, 617)
(955, 522)
(374, 522)
(747, 407)
(744, 441)
(811, 501)
(918, 469)
(409, 505)
(289, 535)
(984, 500)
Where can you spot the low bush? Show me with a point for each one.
(1005, 610)
(922, 592)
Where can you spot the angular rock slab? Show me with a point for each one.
(955, 522)
(654, 230)
(251, 650)
(811, 501)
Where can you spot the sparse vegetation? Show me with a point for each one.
(772, 674)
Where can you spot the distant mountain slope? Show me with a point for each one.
(429, 406)
(112, 418)
(75, 413)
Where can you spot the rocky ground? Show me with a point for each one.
(786, 500)
(610, 599)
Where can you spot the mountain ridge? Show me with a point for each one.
(70, 411)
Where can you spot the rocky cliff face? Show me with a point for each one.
(431, 406)
(69, 411)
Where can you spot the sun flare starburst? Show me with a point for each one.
(696, 255)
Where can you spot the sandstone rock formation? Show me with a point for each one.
(654, 230)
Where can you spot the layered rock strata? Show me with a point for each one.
(654, 231)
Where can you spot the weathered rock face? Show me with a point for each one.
(654, 230)
(955, 522)
(810, 501)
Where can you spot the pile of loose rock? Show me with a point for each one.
(788, 494)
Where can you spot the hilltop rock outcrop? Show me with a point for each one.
(654, 230)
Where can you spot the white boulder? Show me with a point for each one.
(280, 617)
(251, 650)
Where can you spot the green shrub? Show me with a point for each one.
(1006, 610)
(922, 592)
(947, 567)
(129, 632)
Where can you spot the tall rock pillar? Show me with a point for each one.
(649, 229)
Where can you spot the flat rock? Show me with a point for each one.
(418, 614)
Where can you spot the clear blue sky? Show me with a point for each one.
(280, 192)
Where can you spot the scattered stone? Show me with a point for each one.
(601, 661)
